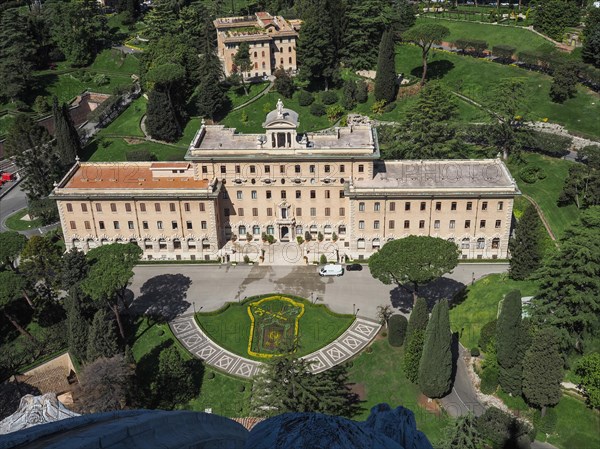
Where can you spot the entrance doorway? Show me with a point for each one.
(284, 234)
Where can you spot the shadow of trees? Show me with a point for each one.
(435, 69)
(163, 297)
(434, 291)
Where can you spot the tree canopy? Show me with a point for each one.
(385, 79)
(11, 245)
(424, 36)
(525, 248)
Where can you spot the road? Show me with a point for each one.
(16, 200)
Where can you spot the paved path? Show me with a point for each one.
(347, 345)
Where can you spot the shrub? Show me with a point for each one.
(397, 325)
(362, 91)
(489, 379)
(531, 174)
(504, 52)
(320, 236)
(334, 112)
(389, 107)
(503, 430)
(378, 107)
(317, 109)
(329, 97)
(488, 333)
(40, 105)
(241, 388)
(305, 98)
(323, 259)
(210, 375)
(246, 259)
(299, 239)
(140, 155)
(475, 352)
(161, 332)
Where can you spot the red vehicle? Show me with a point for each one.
(7, 177)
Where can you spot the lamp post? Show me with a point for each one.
(356, 313)
(354, 309)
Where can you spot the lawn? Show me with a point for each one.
(115, 150)
(218, 391)
(115, 61)
(480, 305)
(546, 191)
(15, 222)
(381, 375)
(128, 123)
(476, 78)
(231, 327)
(237, 96)
(520, 38)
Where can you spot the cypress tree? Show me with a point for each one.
(413, 349)
(385, 79)
(210, 96)
(349, 95)
(102, 339)
(543, 370)
(525, 248)
(161, 117)
(77, 327)
(509, 343)
(462, 434)
(435, 367)
(68, 143)
(419, 317)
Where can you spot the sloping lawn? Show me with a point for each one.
(381, 374)
(546, 191)
(115, 150)
(115, 61)
(577, 426)
(480, 305)
(231, 327)
(15, 222)
(128, 123)
(521, 38)
(237, 96)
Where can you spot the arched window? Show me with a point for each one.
(465, 243)
(327, 229)
(299, 230)
(176, 244)
(134, 241)
(205, 243)
(191, 243)
(104, 242)
(495, 243)
(313, 229)
(147, 244)
(255, 54)
(270, 230)
(480, 243)
(242, 231)
(256, 230)
(451, 239)
(342, 229)
(360, 243)
(290, 59)
(162, 244)
(263, 53)
(361, 207)
(376, 243)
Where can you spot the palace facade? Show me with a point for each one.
(272, 42)
(234, 190)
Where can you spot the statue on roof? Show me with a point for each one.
(280, 108)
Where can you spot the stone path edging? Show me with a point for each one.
(354, 339)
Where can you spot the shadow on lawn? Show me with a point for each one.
(163, 297)
(432, 292)
(435, 69)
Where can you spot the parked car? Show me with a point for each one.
(354, 267)
(331, 270)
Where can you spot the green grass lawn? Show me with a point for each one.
(15, 222)
(546, 191)
(237, 96)
(381, 374)
(231, 328)
(476, 78)
(128, 123)
(114, 61)
(521, 38)
(115, 150)
(480, 305)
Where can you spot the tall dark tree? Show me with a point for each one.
(543, 370)
(582, 185)
(349, 95)
(17, 52)
(591, 45)
(506, 106)
(174, 383)
(435, 367)
(419, 317)
(552, 17)
(413, 350)
(11, 285)
(77, 326)
(564, 83)
(11, 245)
(102, 339)
(243, 63)
(68, 143)
(462, 434)
(404, 17)
(210, 97)
(73, 269)
(567, 297)
(165, 112)
(509, 343)
(525, 248)
(385, 79)
(284, 84)
(424, 36)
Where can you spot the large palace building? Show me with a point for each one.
(234, 190)
(272, 42)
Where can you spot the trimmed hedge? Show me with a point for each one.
(504, 52)
(531, 174)
(140, 155)
(474, 46)
(397, 325)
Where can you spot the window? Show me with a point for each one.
(145, 225)
(252, 169)
(341, 230)
(327, 194)
(242, 231)
(173, 224)
(238, 169)
(341, 193)
(361, 207)
(157, 207)
(436, 224)
(298, 230)
(283, 195)
(438, 205)
(392, 224)
(342, 169)
(296, 168)
(482, 224)
(99, 207)
(498, 224)
(84, 207)
(495, 243)
(361, 168)
(72, 224)
(423, 205)
(484, 205)
(453, 205)
(270, 230)
(342, 212)
(407, 206)
(226, 212)
(86, 224)
(188, 225)
(452, 224)
(202, 207)
(465, 243)
(186, 207)
(361, 224)
(204, 170)
(406, 224)
(223, 169)
(327, 212)
(203, 224)
(69, 207)
(130, 224)
(269, 212)
(282, 169)
(298, 194)
(298, 212)
(327, 168)
(311, 169)
(101, 225)
(268, 194)
(376, 224)
(113, 207)
(116, 225)
(267, 169)
(392, 206)
(256, 230)
(162, 244)
(467, 224)
(238, 194)
(241, 211)
(500, 205)
(480, 243)
(469, 205)
(313, 194)
(376, 207)
(313, 211)
(421, 224)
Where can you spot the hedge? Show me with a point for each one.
(475, 46)
(397, 325)
(503, 51)
(545, 143)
